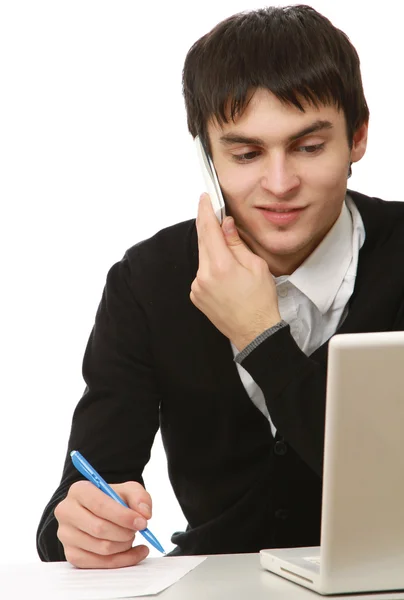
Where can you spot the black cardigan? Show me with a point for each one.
(153, 359)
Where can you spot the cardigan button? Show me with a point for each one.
(280, 448)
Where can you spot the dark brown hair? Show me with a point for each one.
(293, 51)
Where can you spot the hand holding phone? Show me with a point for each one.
(211, 180)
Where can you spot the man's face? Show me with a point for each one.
(284, 173)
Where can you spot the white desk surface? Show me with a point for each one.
(240, 577)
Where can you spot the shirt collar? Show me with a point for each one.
(322, 273)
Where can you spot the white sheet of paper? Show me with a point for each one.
(61, 581)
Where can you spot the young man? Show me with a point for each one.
(219, 334)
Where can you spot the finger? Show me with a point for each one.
(234, 242)
(210, 237)
(88, 560)
(81, 518)
(101, 505)
(72, 537)
(136, 497)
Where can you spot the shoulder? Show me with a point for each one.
(373, 208)
(383, 221)
(166, 259)
(381, 218)
(166, 243)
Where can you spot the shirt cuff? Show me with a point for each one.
(258, 340)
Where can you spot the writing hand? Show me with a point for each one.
(96, 531)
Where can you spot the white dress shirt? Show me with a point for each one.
(313, 300)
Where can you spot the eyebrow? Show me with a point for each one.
(234, 138)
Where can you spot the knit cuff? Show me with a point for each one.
(258, 340)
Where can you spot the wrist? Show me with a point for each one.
(242, 340)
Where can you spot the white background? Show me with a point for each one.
(95, 156)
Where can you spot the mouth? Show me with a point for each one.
(280, 216)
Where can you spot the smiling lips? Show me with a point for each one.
(280, 215)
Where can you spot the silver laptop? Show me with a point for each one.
(362, 527)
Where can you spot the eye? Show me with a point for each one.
(310, 149)
(247, 157)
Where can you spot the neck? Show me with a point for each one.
(284, 264)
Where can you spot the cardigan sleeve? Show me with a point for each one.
(115, 422)
(294, 390)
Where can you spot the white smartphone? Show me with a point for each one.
(211, 180)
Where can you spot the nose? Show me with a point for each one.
(279, 177)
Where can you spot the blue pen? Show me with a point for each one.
(84, 467)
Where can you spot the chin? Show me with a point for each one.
(285, 247)
(281, 252)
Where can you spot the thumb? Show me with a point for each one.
(234, 241)
(230, 231)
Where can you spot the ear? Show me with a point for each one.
(359, 143)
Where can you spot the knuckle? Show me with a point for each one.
(148, 499)
(62, 510)
(218, 268)
(98, 528)
(137, 494)
(74, 556)
(195, 292)
(105, 548)
(193, 299)
(221, 270)
(76, 489)
(134, 487)
(128, 537)
(58, 512)
(97, 504)
(202, 280)
(60, 533)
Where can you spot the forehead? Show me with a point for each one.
(267, 116)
